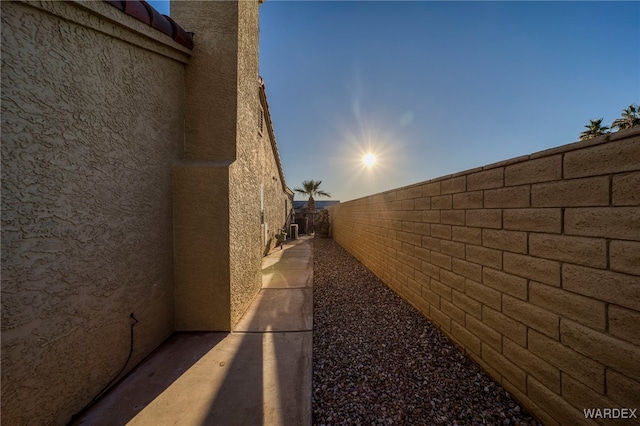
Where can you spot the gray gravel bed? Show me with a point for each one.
(377, 360)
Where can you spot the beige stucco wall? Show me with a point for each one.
(202, 258)
(245, 172)
(92, 120)
(532, 265)
(211, 80)
(277, 198)
(201, 229)
(223, 74)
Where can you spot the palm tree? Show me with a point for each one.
(630, 118)
(312, 188)
(594, 128)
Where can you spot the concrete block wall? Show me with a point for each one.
(531, 265)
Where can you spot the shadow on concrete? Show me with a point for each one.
(266, 382)
(261, 386)
(151, 378)
(259, 374)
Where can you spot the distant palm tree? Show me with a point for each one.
(630, 118)
(312, 188)
(594, 128)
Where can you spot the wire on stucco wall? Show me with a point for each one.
(93, 401)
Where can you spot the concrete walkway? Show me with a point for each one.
(260, 374)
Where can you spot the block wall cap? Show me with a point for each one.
(634, 131)
(609, 137)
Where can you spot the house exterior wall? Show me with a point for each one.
(212, 78)
(246, 171)
(532, 265)
(201, 230)
(92, 121)
(276, 203)
(222, 75)
(234, 144)
(203, 266)
(277, 199)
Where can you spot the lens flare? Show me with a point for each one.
(371, 152)
(369, 160)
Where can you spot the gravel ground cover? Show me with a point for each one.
(377, 360)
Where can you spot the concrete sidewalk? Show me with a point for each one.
(260, 374)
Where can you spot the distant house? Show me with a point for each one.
(299, 206)
(301, 211)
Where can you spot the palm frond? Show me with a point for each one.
(594, 128)
(311, 188)
(630, 118)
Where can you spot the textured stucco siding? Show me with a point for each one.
(531, 265)
(92, 121)
(221, 125)
(277, 204)
(201, 232)
(245, 247)
(211, 85)
(212, 78)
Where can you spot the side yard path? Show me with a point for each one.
(376, 360)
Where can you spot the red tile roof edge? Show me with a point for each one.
(143, 11)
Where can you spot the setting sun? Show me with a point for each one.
(369, 160)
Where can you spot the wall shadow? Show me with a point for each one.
(250, 377)
(263, 384)
(151, 377)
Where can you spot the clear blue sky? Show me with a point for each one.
(434, 88)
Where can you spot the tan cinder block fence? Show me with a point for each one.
(531, 265)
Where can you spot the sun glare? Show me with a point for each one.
(369, 160)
